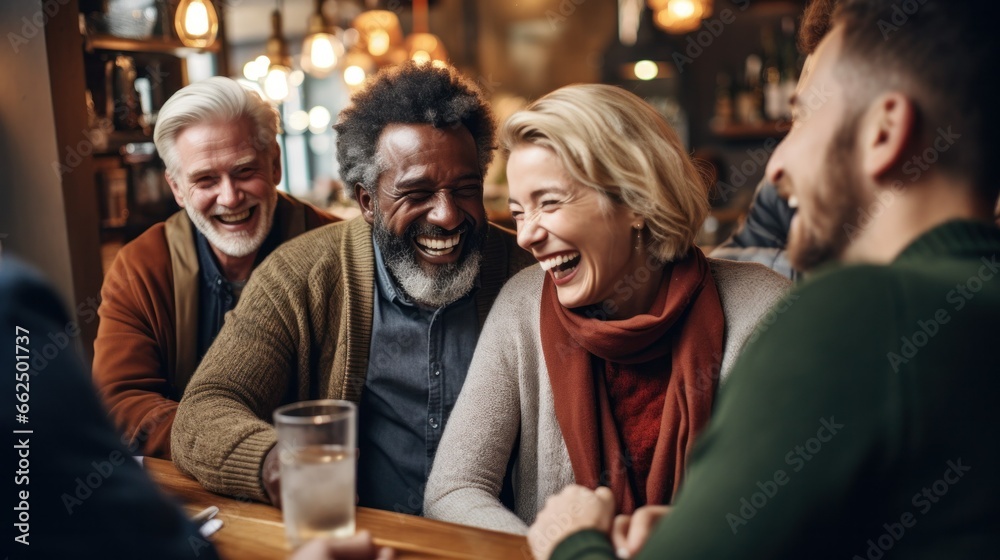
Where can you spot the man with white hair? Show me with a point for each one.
(165, 297)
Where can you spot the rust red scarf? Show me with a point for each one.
(685, 324)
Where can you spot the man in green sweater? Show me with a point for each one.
(860, 422)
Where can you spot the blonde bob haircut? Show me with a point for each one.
(617, 144)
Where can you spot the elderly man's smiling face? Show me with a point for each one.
(427, 210)
(227, 187)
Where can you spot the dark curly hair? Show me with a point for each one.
(409, 94)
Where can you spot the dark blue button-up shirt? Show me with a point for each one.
(417, 364)
(216, 295)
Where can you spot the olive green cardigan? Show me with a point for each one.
(301, 330)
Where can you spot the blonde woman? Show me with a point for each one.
(600, 366)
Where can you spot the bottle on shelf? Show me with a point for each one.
(750, 98)
(723, 101)
(789, 65)
(773, 102)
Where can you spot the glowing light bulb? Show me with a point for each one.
(421, 57)
(646, 70)
(298, 121)
(196, 23)
(354, 75)
(251, 71)
(319, 119)
(196, 20)
(682, 8)
(322, 52)
(276, 83)
(378, 42)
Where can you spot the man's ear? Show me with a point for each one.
(365, 201)
(178, 196)
(885, 134)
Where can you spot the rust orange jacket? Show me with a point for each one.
(147, 339)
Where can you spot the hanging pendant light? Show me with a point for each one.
(323, 46)
(276, 81)
(423, 46)
(196, 23)
(380, 33)
(358, 65)
(680, 16)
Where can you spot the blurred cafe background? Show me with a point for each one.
(84, 80)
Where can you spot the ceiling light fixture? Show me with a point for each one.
(276, 85)
(323, 46)
(196, 23)
(680, 16)
(380, 33)
(423, 46)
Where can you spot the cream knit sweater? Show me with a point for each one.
(507, 393)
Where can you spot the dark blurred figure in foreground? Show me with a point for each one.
(77, 491)
(859, 423)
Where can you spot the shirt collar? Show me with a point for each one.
(206, 262)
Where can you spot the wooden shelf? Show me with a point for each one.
(770, 129)
(155, 45)
(119, 138)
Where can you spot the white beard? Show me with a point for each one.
(448, 285)
(239, 244)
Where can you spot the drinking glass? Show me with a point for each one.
(316, 448)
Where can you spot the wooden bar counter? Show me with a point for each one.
(254, 531)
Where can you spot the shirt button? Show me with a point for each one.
(434, 423)
(437, 372)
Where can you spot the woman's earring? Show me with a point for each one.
(638, 237)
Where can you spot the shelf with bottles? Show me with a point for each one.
(751, 131)
(150, 45)
(755, 104)
(149, 26)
